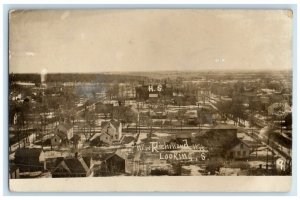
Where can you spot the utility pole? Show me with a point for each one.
(137, 124)
(139, 118)
(267, 163)
(200, 120)
(42, 138)
(281, 117)
(19, 138)
(256, 144)
(273, 161)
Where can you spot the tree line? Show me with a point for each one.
(76, 77)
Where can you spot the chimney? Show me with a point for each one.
(76, 155)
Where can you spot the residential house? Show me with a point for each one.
(59, 139)
(239, 150)
(30, 159)
(112, 164)
(111, 132)
(76, 166)
(66, 129)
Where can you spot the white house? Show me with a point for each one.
(111, 132)
(66, 129)
(239, 150)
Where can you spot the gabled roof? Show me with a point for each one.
(28, 152)
(249, 143)
(103, 124)
(75, 165)
(106, 131)
(110, 155)
(95, 136)
(58, 160)
(113, 123)
(237, 142)
(58, 135)
(61, 135)
(87, 160)
(28, 159)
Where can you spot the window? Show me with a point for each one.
(244, 153)
(238, 153)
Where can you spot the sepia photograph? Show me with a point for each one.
(119, 93)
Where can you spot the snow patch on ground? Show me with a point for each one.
(194, 170)
(158, 134)
(255, 164)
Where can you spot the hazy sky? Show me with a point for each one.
(139, 40)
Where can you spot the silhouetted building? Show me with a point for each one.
(73, 167)
(30, 159)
